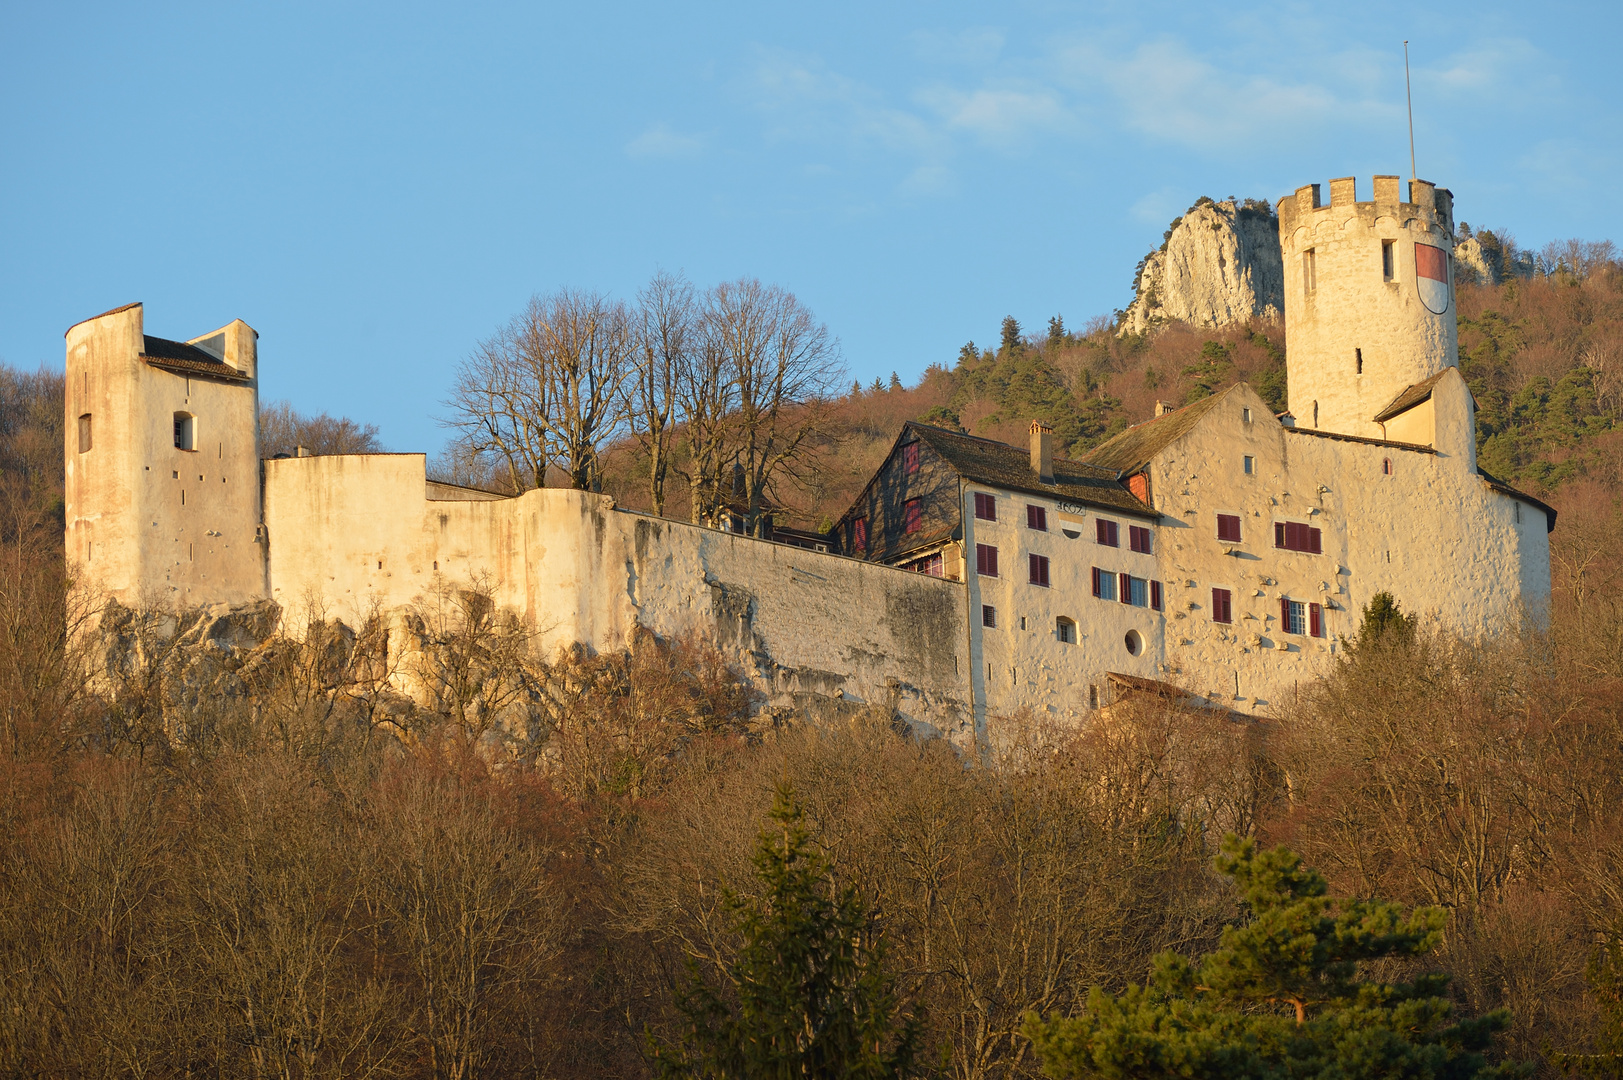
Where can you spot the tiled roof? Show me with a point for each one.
(183, 359)
(1505, 489)
(1420, 448)
(998, 464)
(103, 315)
(1132, 449)
(1409, 398)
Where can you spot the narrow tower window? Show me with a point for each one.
(1389, 262)
(1309, 278)
(1358, 360)
(185, 431)
(84, 433)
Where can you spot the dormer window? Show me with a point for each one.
(185, 431)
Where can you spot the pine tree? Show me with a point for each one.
(968, 355)
(1385, 621)
(895, 381)
(1605, 975)
(877, 387)
(1282, 997)
(806, 996)
(1011, 334)
(856, 388)
(1057, 333)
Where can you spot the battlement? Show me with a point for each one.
(1427, 201)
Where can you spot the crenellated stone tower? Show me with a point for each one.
(162, 457)
(1369, 306)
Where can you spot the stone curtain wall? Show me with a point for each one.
(354, 534)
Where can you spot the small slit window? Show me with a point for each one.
(185, 431)
(84, 434)
(1250, 465)
(1386, 466)
(1389, 261)
(1309, 276)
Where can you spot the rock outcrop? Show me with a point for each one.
(1220, 265)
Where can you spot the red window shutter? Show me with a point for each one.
(912, 515)
(910, 457)
(1315, 620)
(1095, 581)
(1313, 541)
(1279, 534)
(859, 534)
(1126, 586)
(1101, 530)
(1284, 616)
(1155, 595)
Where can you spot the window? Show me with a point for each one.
(1093, 697)
(985, 506)
(986, 560)
(1518, 507)
(1222, 606)
(1064, 631)
(1228, 528)
(989, 616)
(1104, 584)
(1138, 538)
(912, 515)
(185, 431)
(910, 458)
(1293, 536)
(1245, 416)
(930, 564)
(1135, 591)
(1133, 642)
(1358, 361)
(1037, 518)
(1389, 261)
(859, 535)
(84, 433)
(1155, 595)
(1293, 616)
(1106, 533)
(1250, 465)
(1039, 570)
(1386, 466)
(1309, 278)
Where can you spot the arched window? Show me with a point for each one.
(1386, 466)
(1065, 630)
(185, 431)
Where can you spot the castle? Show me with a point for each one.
(1216, 548)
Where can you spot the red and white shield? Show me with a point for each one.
(1431, 275)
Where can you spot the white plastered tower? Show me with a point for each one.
(162, 464)
(1369, 299)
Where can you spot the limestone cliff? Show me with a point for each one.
(1220, 265)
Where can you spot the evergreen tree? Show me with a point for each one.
(856, 388)
(1385, 622)
(806, 996)
(1281, 998)
(1011, 334)
(1057, 333)
(968, 355)
(877, 387)
(895, 381)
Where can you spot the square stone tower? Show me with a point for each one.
(162, 499)
(1369, 299)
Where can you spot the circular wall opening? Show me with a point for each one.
(1134, 643)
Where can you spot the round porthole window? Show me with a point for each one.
(1134, 643)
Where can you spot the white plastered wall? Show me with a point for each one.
(804, 625)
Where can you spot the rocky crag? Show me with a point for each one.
(1219, 265)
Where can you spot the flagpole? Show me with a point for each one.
(1408, 92)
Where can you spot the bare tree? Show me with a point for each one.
(546, 389)
(663, 328)
(282, 429)
(783, 365)
(705, 399)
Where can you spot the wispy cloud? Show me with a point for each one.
(1006, 117)
(975, 46)
(660, 141)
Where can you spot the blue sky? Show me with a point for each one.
(375, 188)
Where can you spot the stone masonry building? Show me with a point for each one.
(1217, 547)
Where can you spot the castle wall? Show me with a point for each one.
(1345, 306)
(149, 523)
(353, 534)
(1021, 663)
(1431, 532)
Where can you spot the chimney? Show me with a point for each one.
(1163, 407)
(1042, 451)
(301, 451)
